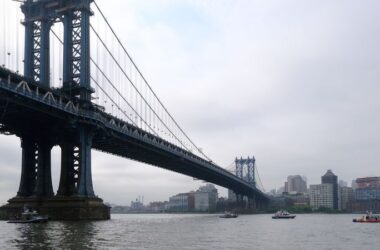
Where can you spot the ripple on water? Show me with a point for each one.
(168, 231)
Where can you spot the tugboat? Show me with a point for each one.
(368, 218)
(228, 215)
(29, 216)
(283, 214)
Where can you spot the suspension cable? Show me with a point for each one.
(146, 82)
(135, 87)
(101, 88)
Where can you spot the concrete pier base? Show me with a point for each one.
(58, 208)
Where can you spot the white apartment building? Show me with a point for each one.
(201, 201)
(205, 198)
(321, 195)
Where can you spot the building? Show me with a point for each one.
(368, 182)
(321, 196)
(346, 196)
(366, 195)
(157, 206)
(296, 184)
(183, 202)
(205, 198)
(331, 178)
(137, 205)
(300, 199)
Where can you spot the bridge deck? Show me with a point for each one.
(24, 104)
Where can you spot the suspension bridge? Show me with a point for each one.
(68, 82)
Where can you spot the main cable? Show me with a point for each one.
(146, 82)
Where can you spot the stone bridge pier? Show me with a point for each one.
(75, 198)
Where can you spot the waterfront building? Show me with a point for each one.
(331, 178)
(205, 198)
(300, 199)
(366, 195)
(137, 205)
(321, 196)
(157, 206)
(369, 193)
(346, 196)
(183, 202)
(368, 182)
(296, 184)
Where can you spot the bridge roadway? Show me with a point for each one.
(27, 108)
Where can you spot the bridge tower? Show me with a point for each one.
(245, 169)
(75, 185)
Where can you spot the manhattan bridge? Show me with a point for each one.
(67, 82)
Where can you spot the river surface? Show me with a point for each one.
(173, 231)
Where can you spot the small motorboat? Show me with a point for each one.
(283, 214)
(29, 216)
(368, 218)
(228, 215)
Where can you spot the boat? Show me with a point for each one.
(29, 216)
(368, 218)
(283, 214)
(228, 215)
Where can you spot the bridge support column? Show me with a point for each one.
(85, 187)
(69, 170)
(28, 168)
(76, 176)
(44, 187)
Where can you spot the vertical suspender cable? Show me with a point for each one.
(164, 108)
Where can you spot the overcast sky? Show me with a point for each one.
(294, 83)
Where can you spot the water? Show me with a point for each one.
(167, 231)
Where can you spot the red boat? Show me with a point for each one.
(369, 218)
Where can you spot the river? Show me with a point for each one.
(194, 231)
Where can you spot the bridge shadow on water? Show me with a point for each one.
(55, 235)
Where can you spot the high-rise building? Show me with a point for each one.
(346, 196)
(286, 187)
(296, 184)
(331, 178)
(321, 196)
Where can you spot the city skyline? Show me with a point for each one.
(298, 92)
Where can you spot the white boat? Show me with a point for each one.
(29, 216)
(283, 214)
(228, 215)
